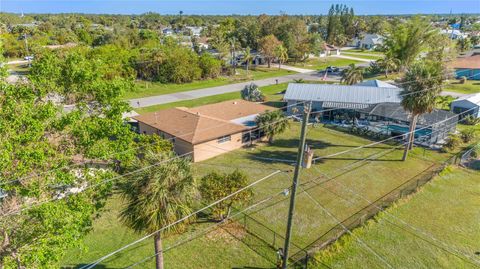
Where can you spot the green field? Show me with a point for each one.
(363, 56)
(372, 178)
(364, 51)
(469, 87)
(146, 88)
(322, 63)
(445, 209)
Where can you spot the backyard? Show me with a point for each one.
(146, 88)
(445, 209)
(232, 246)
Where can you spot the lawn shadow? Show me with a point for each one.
(257, 245)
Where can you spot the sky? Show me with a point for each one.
(227, 7)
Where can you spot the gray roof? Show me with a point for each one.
(376, 83)
(341, 93)
(397, 112)
(472, 98)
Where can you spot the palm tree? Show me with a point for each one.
(157, 196)
(247, 57)
(420, 94)
(272, 123)
(352, 75)
(389, 64)
(282, 55)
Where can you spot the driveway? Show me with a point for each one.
(194, 94)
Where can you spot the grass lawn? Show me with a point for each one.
(363, 56)
(470, 86)
(446, 208)
(146, 88)
(373, 179)
(364, 51)
(271, 92)
(322, 63)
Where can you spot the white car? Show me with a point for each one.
(28, 58)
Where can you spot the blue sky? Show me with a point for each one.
(223, 7)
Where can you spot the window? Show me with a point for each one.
(224, 139)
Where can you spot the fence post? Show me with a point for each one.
(306, 260)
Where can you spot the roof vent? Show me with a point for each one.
(198, 113)
(235, 102)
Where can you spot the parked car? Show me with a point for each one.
(332, 69)
(28, 58)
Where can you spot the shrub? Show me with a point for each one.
(467, 135)
(210, 66)
(471, 120)
(252, 93)
(453, 142)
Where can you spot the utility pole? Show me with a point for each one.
(301, 150)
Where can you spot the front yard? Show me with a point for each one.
(322, 63)
(239, 249)
(146, 88)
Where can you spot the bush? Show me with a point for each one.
(210, 66)
(463, 80)
(471, 120)
(453, 142)
(467, 135)
(252, 93)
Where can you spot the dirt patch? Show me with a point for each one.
(229, 231)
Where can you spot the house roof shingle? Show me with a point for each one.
(204, 123)
(472, 62)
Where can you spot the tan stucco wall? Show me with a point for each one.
(212, 148)
(180, 146)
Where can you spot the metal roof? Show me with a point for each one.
(376, 83)
(472, 98)
(341, 93)
(397, 112)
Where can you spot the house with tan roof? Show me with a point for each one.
(468, 67)
(206, 131)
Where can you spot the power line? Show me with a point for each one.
(91, 265)
(174, 137)
(117, 153)
(405, 223)
(369, 248)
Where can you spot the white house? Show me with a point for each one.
(454, 34)
(369, 41)
(468, 105)
(195, 30)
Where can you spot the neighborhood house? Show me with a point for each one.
(368, 42)
(374, 108)
(468, 67)
(467, 105)
(206, 131)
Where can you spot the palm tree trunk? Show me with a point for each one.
(409, 138)
(412, 135)
(270, 139)
(158, 251)
(268, 62)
